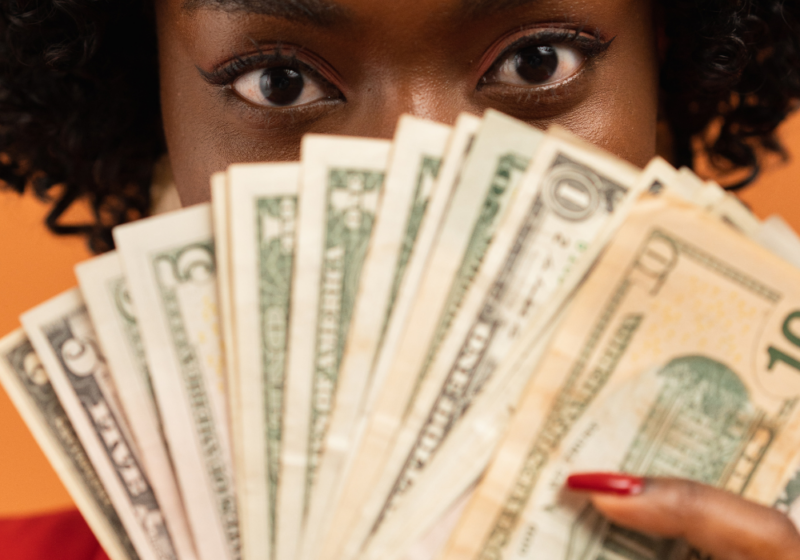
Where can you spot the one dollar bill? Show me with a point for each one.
(63, 336)
(105, 292)
(342, 183)
(262, 215)
(417, 154)
(26, 381)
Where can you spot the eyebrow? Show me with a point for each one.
(326, 13)
(317, 12)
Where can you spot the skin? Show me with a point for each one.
(436, 59)
(389, 58)
(716, 522)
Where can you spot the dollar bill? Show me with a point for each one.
(342, 181)
(458, 148)
(62, 334)
(789, 500)
(774, 234)
(779, 237)
(567, 198)
(502, 150)
(28, 385)
(105, 292)
(430, 545)
(220, 217)
(676, 358)
(170, 266)
(262, 201)
(417, 154)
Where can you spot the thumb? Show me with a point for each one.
(715, 521)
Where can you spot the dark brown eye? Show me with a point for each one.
(537, 64)
(281, 86)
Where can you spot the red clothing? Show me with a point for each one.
(56, 536)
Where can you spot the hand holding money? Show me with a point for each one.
(713, 521)
(402, 349)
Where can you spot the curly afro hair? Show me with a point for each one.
(79, 107)
(735, 65)
(80, 117)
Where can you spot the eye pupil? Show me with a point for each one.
(536, 64)
(281, 86)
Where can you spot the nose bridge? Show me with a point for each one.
(412, 71)
(427, 96)
(421, 88)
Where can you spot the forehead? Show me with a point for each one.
(394, 28)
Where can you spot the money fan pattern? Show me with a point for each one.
(399, 349)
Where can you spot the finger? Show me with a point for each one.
(717, 522)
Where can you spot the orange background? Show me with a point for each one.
(35, 266)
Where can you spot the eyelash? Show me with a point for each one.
(228, 73)
(589, 47)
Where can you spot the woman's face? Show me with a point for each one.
(244, 80)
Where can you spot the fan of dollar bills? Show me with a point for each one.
(400, 349)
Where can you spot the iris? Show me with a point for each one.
(536, 64)
(281, 86)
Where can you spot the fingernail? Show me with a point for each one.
(607, 483)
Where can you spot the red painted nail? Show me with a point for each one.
(607, 483)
